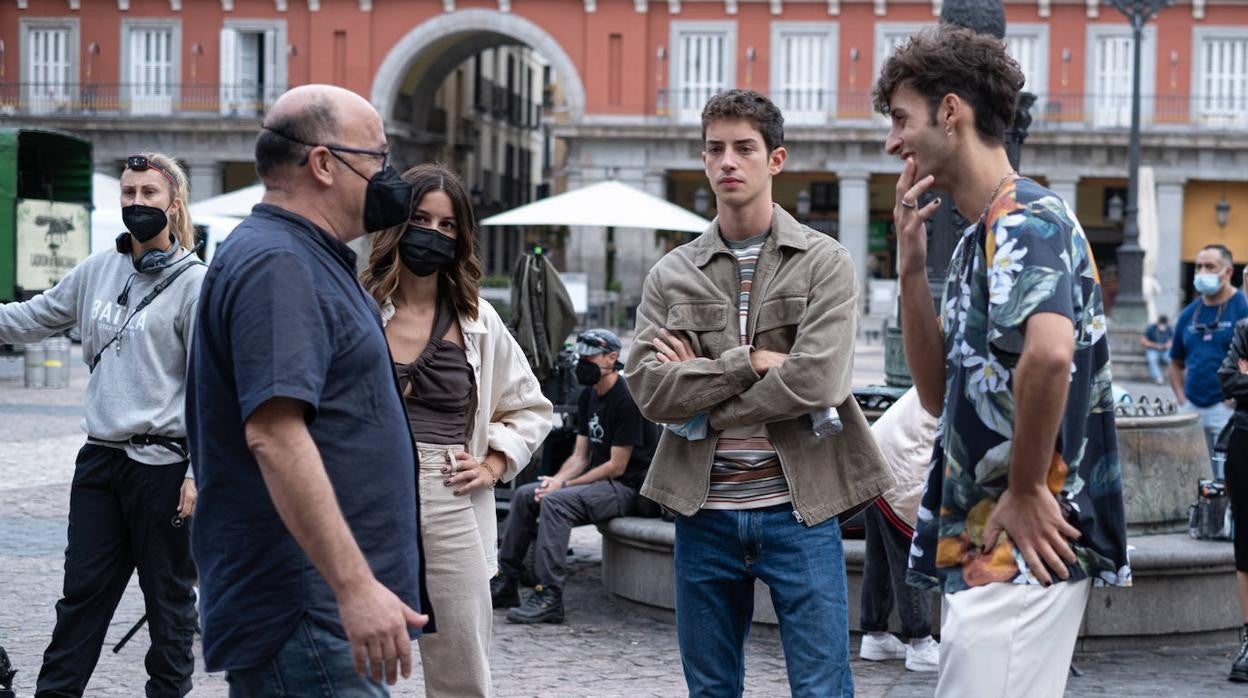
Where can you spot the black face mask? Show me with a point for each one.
(425, 251)
(143, 222)
(386, 201)
(587, 372)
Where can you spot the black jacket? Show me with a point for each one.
(1234, 383)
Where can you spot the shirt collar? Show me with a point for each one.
(335, 246)
(785, 231)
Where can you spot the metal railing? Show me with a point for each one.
(1066, 110)
(240, 100)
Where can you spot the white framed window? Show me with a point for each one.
(1109, 73)
(150, 65)
(803, 70)
(1028, 45)
(1220, 75)
(49, 63)
(888, 37)
(253, 65)
(703, 63)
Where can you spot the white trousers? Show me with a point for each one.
(455, 660)
(1012, 640)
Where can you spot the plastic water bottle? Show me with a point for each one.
(826, 422)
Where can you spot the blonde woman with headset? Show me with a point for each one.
(132, 492)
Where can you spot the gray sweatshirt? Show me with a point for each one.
(139, 385)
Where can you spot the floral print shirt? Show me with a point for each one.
(1031, 256)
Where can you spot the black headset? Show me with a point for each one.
(151, 261)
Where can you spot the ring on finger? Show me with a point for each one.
(908, 204)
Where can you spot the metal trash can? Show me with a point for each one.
(36, 372)
(56, 362)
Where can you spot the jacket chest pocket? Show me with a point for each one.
(704, 323)
(778, 319)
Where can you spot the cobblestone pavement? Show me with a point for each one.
(604, 649)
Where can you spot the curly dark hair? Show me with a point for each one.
(947, 59)
(748, 105)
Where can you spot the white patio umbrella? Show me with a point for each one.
(610, 204)
(236, 203)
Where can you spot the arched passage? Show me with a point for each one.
(446, 40)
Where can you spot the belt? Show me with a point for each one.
(177, 445)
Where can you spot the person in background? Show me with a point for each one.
(133, 490)
(598, 482)
(1233, 375)
(1156, 341)
(476, 412)
(1202, 336)
(905, 433)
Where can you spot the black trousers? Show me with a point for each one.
(884, 577)
(121, 517)
(1237, 485)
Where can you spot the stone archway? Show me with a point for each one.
(433, 35)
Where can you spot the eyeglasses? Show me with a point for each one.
(335, 148)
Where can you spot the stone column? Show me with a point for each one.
(205, 178)
(855, 215)
(1067, 188)
(1169, 270)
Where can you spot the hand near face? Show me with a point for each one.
(910, 220)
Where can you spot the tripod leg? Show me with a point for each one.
(135, 629)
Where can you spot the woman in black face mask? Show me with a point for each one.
(131, 496)
(475, 409)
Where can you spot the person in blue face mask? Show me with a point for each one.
(1202, 335)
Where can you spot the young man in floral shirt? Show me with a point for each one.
(1023, 509)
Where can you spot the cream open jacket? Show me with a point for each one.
(510, 414)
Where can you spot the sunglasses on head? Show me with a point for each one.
(140, 163)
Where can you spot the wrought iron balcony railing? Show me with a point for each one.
(1056, 111)
(242, 100)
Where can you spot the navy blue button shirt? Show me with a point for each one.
(282, 315)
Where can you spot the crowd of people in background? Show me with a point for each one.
(318, 448)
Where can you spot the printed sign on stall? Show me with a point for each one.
(51, 238)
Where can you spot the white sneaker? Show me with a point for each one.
(877, 647)
(923, 655)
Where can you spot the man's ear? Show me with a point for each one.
(777, 159)
(320, 165)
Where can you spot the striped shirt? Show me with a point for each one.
(746, 473)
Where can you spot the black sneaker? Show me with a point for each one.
(1239, 670)
(503, 591)
(544, 605)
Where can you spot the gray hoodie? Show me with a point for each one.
(139, 385)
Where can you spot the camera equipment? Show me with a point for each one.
(7, 672)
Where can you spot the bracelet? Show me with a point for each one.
(493, 478)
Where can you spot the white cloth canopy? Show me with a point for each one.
(609, 204)
(236, 203)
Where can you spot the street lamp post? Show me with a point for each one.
(1129, 308)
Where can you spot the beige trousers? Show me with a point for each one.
(1009, 639)
(455, 659)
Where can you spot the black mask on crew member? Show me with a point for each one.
(425, 251)
(588, 372)
(144, 222)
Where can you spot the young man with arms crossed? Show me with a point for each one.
(740, 335)
(1024, 491)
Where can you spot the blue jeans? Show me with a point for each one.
(313, 662)
(1157, 359)
(718, 556)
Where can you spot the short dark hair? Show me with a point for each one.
(751, 106)
(1163, 320)
(947, 59)
(1222, 250)
(278, 146)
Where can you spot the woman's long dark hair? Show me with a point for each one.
(460, 281)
